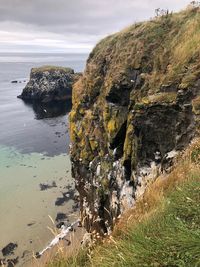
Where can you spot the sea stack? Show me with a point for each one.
(49, 83)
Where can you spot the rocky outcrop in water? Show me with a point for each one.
(136, 106)
(49, 83)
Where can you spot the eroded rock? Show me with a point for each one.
(129, 114)
(49, 83)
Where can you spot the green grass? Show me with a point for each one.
(164, 230)
(169, 238)
(80, 259)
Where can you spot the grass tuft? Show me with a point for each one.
(162, 230)
(50, 68)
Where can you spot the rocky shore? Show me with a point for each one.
(49, 83)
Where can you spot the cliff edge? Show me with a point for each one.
(135, 108)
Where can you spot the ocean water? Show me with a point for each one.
(33, 151)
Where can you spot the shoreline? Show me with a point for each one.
(65, 247)
(43, 193)
(57, 238)
(44, 165)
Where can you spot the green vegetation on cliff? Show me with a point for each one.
(163, 230)
(138, 98)
(168, 236)
(145, 64)
(166, 49)
(135, 108)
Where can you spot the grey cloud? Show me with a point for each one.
(80, 15)
(87, 19)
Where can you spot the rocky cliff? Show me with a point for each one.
(136, 106)
(49, 83)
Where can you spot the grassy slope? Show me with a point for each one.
(165, 49)
(171, 237)
(162, 230)
(167, 53)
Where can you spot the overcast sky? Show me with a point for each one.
(70, 25)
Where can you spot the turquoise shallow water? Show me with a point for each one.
(23, 203)
(33, 151)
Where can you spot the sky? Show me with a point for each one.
(70, 25)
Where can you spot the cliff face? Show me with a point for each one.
(136, 106)
(49, 83)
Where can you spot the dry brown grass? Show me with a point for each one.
(52, 68)
(62, 250)
(196, 105)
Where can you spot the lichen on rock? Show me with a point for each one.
(136, 103)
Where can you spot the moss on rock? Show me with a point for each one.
(138, 98)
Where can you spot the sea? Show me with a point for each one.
(35, 172)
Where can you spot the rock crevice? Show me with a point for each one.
(131, 116)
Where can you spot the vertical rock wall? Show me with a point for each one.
(130, 117)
